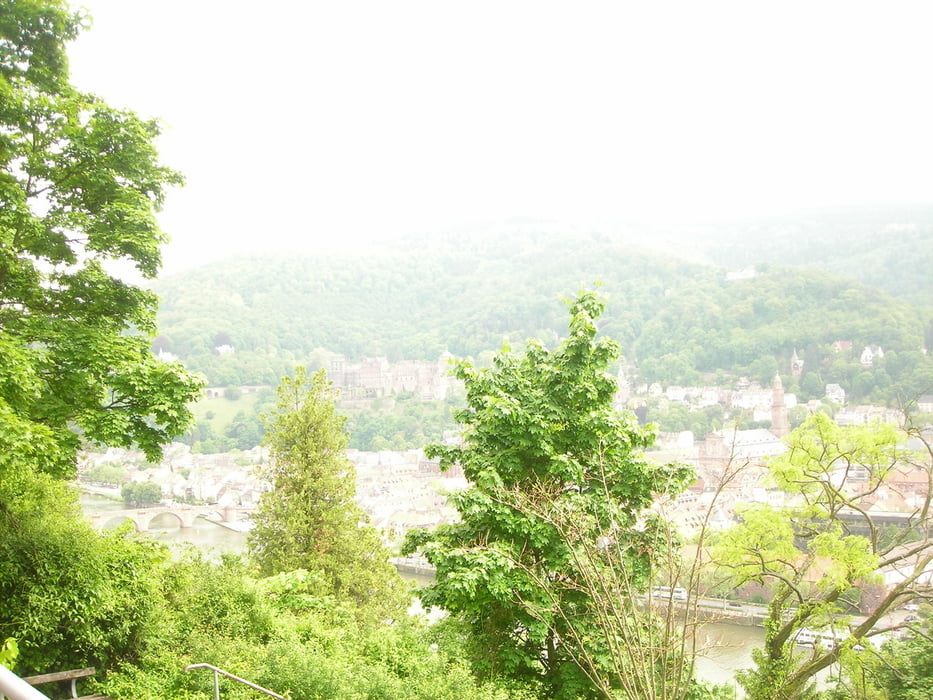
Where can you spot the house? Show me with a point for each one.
(751, 445)
(709, 396)
(870, 354)
(911, 563)
(863, 415)
(911, 482)
(166, 356)
(746, 274)
(835, 393)
(751, 399)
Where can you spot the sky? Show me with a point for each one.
(308, 125)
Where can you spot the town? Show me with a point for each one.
(401, 490)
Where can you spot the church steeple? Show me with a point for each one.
(796, 365)
(779, 424)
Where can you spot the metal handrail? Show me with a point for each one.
(15, 688)
(236, 678)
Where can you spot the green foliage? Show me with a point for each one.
(156, 616)
(141, 493)
(904, 669)
(220, 600)
(388, 424)
(9, 650)
(287, 633)
(813, 552)
(400, 425)
(769, 679)
(752, 326)
(394, 663)
(884, 247)
(222, 425)
(310, 519)
(542, 439)
(680, 320)
(70, 596)
(80, 184)
(110, 474)
(79, 187)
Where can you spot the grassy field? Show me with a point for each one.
(219, 412)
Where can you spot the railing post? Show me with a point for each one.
(218, 671)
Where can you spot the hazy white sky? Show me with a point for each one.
(306, 124)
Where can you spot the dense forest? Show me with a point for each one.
(677, 321)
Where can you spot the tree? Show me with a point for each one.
(310, 519)
(812, 386)
(141, 493)
(903, 669)
(826, 540)
(111, 474)
(556, 517)
(79, 188)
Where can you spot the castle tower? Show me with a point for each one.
(779, 424)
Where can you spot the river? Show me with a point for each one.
(727, 648)
(207, 536)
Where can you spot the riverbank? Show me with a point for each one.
(414, 564)
(110, 492)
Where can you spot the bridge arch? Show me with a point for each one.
(143, 517)
(109, 521)
(145, 524)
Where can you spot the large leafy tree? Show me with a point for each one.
(80, 184)
(556, 522)
(310, 519)
(79, 188)
(829, 538)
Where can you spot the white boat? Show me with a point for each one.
(826, 638)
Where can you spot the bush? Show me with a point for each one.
(70, 596)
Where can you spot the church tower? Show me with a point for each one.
(796, 365)
(779, 424)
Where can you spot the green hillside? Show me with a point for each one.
(888, 248)
(414, 302)
(465, 294)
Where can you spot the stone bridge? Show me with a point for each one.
(184, 514)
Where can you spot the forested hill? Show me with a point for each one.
(890, 248)
(413, 301)
(464, 294)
